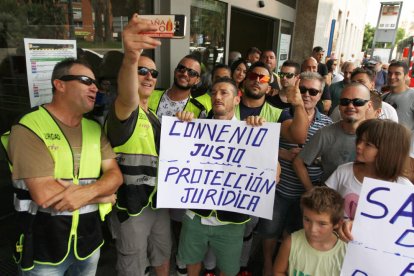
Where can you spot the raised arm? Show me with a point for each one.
(134, 43)
(296, 130)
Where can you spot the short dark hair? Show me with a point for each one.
(359, 70)
(62, 68)
(329, 63)
(193, 57)
(324, 200)
(219, 66)
(317, 49)
(267, 50)
(260, 64)
(229, 81)
(253, 50)
(399, 63)
(291, 63)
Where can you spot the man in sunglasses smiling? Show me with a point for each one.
(142, 232)
(178, 96)
(335, 144)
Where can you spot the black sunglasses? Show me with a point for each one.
(287, 75)
(191, 73)
(312, 92)
(355, 102)
(82, 79)
(143, 71)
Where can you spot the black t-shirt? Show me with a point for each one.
(277, 102)
(120, 131)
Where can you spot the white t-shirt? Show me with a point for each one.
(168, 107)
(343, 181)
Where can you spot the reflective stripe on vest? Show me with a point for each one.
(144, 173)
(268, 112)
(53, 252)
(138, 160)
(155, 98)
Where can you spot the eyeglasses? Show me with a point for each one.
(355, 102)
(287, 75)
(191, 73)
(82, 79)
(312, 92)
(262, 78)
(143, 71)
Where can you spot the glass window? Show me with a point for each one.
(95, 25)
(207, 35)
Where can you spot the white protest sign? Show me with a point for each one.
(383, 231)
(218, 165)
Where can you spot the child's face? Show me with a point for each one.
(318, 227)
(366, 152)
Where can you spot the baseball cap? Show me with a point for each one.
(374, 60)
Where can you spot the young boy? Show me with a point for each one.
(316, 249)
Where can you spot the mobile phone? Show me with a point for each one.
(169, 26)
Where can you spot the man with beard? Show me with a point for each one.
(253, 103)
(335, 144)
(178, 96)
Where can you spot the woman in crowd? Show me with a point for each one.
(238, 73)
(379, 156)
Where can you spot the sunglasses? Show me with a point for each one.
(287, 75)
(143, 71)
(262, 78)
(312, 92)
(191, 73)
(82, 79)
(355, 102)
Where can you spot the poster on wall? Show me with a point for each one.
(284, 49)
(383, 231)
(41, 57)
(218, 165)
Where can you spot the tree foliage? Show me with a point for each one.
(369, 33)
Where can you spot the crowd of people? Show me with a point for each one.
(336, 129)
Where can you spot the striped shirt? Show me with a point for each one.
(290, 185)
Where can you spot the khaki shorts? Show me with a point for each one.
(142, 241)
